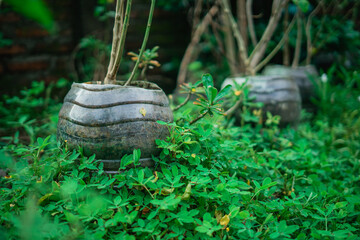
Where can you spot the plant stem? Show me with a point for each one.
(286, 49)
(205, 22)
(237, 35)
(142, 75)
(231, 110)
(230, 50)
(198, 117)
(250, 20)
(296, 59)
(260, 48)
(118, 25)
(111, 76)
(143, 46)
(183, 104)
(197, 14)
(241, 16)
(308, 33)
(277, 48)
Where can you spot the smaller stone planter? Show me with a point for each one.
(303, 76)
(112, 120)
(279, 94)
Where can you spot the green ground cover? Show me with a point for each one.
(213, 179)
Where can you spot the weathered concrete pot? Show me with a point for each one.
(303, 76)
(112, 120)
(279, 94)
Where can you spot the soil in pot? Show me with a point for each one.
(112, 120)
(279, 94)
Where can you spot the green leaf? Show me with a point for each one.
(291, 229)
(244, 214)
(268, 218)
(304, 5)
(207, 81)
(141, 176)
(174, 171)
(213, 92)
(223, 92)
(243, 185)
(268, 186)
(34, 9)
(340, 205)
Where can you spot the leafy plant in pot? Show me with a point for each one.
(306, 74)
(280, 94)
(113, 118)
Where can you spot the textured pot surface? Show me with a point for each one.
(111, 120)
(303, 76)
(279, 94)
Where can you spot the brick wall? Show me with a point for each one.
(34, 54)
(37, 55)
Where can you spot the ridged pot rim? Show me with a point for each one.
(292, 68)
(259, 77)
(98, 86)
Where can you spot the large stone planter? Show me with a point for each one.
(280, 96)
(111, 120)
(303, 76)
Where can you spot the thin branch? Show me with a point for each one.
(119, 51)
(183, 104)
(260, 48)
(241, 14)
(194, 41)
(240, 41)
(231, 110)
(198, 117)
(296, 59)
(277, 47)
(250, 21)
(215, 27)
(197, 15)
(119, 18)
(308, 32)
(286, 48)
(143, 46)
(230, 50)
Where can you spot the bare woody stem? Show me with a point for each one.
(205, 22)
(286, 48)
(277, 47)
(183, 103)
(296, 59)
(230, 50)
(231, 110)
(111, 76)
(241, 16)
(143, 46)
(197, 15)
(308, 33)
(250, 21)
(118, 25)
(260, 48)
(240, 41)
(199, 117)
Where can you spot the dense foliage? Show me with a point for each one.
(213, 180)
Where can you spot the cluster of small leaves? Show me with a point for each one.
(147, 60)
(212, 180)
(208, 182)
(33, 112)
